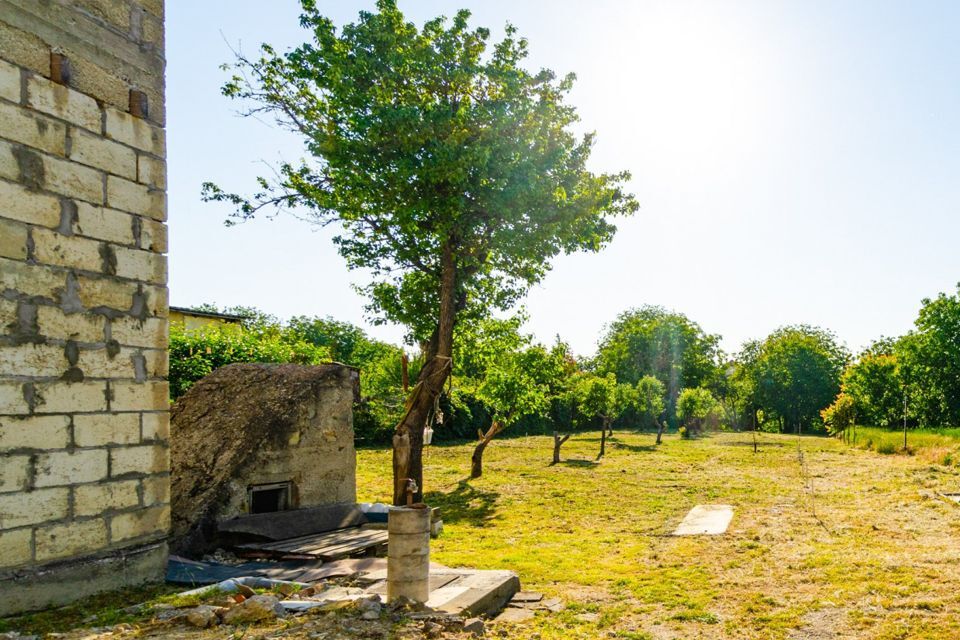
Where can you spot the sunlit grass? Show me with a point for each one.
(933, 445)
(856, 555)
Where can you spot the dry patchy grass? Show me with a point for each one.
(848, 544)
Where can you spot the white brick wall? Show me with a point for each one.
(84, 462)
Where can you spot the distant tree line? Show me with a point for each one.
(655, 370)
(915, 377)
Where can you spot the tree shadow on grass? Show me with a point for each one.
(466, 504)
(637, 448)
(760, 444)
(578, 463)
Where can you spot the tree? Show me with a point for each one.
(840, 416)
(451, 171)
(515, 385)
(596, 398)
(695, 407)
(795, 373)
(195, 354)
(875, 387)
(661, 343)
(650, 403)
(929, 358)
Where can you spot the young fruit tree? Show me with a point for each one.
(449, 170)
(650, 403)
(516, 384)
(597, 398)
(695, 407)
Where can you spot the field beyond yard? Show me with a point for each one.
(837, 542)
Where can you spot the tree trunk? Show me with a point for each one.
(603, 437)
(476, 460)
(408, 437)
(659, 430)
(557, 443)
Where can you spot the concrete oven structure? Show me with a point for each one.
(83, 300)
(258, 438)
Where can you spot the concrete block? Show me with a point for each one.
(105, 292)
(144, 459)
(95, 151)
(102, 223)
(63, 102)
(59, 468)
(135, 132)
(33, 507)
(98, 363)
(12, 400)
(32, 129)
(151, 332)
(34, 432)
(156, 490)
(15, 473)
(144, 396)
(24, 49)
(16, 547)
(70, 397)
(156, 426)
(54, 323)
(116, 13)
(153, 236)
(13, 239)
(151, 171)
(100, 429)
(157, 298)
(9, 82)
(151, 521)
(40, 588)
(38, 360)
(18, 203)
(705, 519)
(157, 363)
(136, 198)
(31, 280)
(72, 180)
(8, 315)
(145, 266)
(9, 168)
(95, 499)
(70, 539)
(67, 251)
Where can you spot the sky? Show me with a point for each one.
(794, 161)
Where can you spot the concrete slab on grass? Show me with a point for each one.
(706, 520)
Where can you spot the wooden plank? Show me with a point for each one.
(314, 546)
(346, 547)
(330, 545)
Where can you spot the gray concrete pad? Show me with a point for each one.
(706, 520)
(469, 592)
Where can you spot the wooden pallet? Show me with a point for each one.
(330, 545)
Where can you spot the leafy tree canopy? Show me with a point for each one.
(795, 373)
(930, 361)
(428, 143)
(873, 384)
(656, 342)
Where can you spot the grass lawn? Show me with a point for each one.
(935, 445)
(847, 544)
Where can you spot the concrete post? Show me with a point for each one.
(408, 554)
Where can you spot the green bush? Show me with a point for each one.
(195, 354)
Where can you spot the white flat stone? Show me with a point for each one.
(706, 520)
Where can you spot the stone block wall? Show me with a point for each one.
(84, 463)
